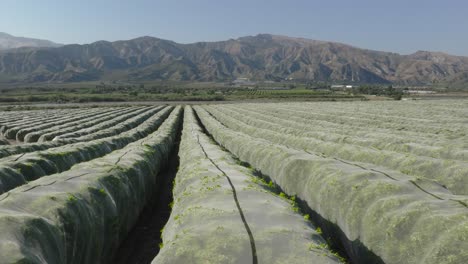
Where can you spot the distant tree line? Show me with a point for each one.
(389, 91)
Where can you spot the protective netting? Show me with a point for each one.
(20, 169)
(105, 129)
(397, 217)
(81, 215)
(221, 214)
(453, 174)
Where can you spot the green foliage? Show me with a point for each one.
(133, 93)
(271, 184)
(72, 198)
(319, 231)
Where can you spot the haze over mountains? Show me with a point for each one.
(261, 57)
(8, 41)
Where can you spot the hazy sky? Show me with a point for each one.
(402, 26)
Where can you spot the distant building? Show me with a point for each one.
(342, 86)
(419, 92)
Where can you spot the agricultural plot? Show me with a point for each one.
(81, 215)
(291, 94)
(383, 203)
(324, 182)
(218, 213)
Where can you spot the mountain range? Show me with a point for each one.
(260, 57)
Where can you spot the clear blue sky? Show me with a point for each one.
(390, 25)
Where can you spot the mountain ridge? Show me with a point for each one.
(260, 57)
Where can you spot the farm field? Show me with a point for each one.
(309, 182)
